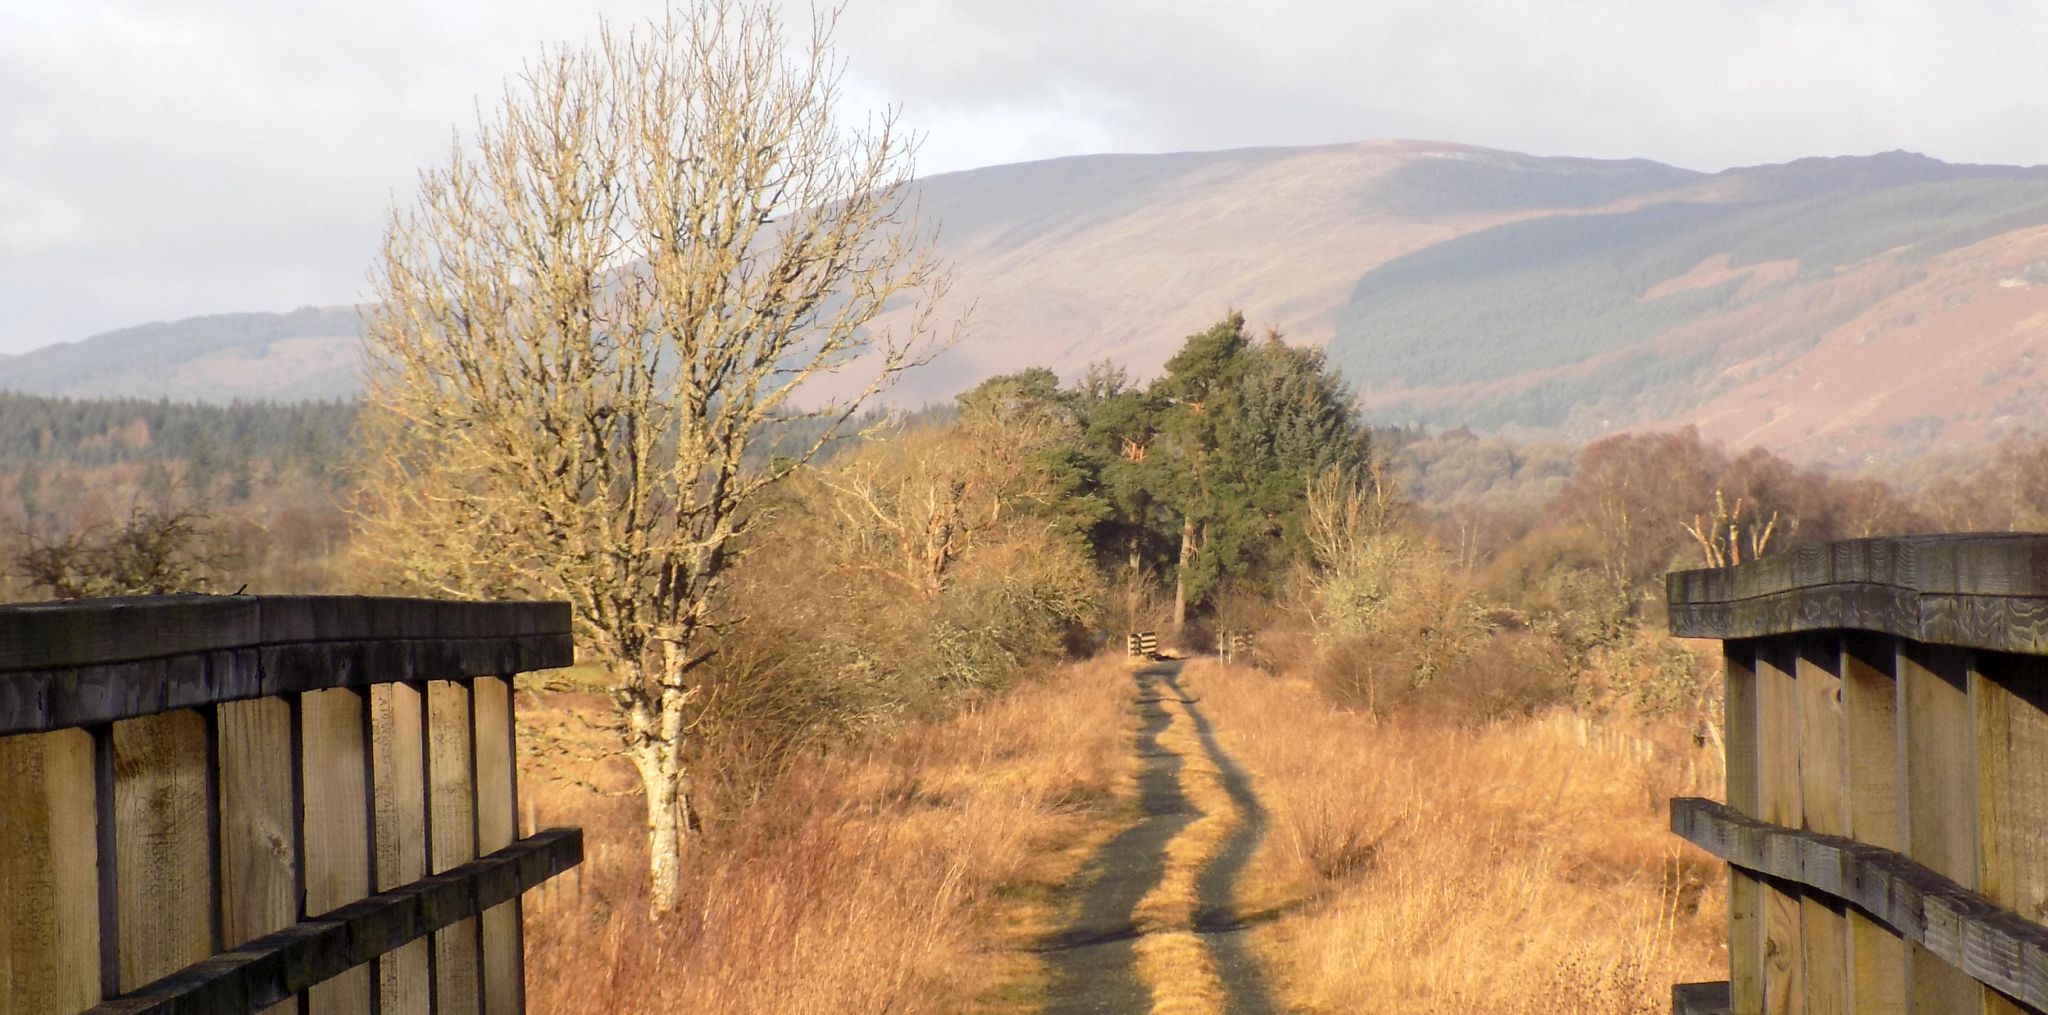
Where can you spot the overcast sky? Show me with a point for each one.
(165, 158)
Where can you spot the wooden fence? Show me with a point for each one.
(227, 804)
(1886, 826)
(1142, 645)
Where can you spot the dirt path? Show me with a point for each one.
(1095, 961)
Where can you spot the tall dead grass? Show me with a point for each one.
(900, 876)
(1457, 867)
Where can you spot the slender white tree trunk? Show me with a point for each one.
(657, 752)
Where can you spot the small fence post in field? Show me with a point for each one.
(235, 803)
(1886, 822)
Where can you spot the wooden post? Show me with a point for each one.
(1871, 715)
(1937, 736)
(1745, 891)
(1823, 784)
(336, 824)
(398, 747)
(163, 877)
(496, 805)
(451, 838)
(259, 858)
(1778, 794)
(2010, 694)
(49, 912)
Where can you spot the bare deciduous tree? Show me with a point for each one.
(599, 307)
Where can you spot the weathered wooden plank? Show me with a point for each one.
(278, 965)
(47, 636)
(1823, 778)
(2009, 694)
(398, 722)
(94, 662)
(1986, 591)
(1937, 746)
(497, 805)
(1745, 891)
(259, 863)
(1701, 999)
(1778, 799)
(1877, 957)
(164, 876)
(1955, 932)
(451, 838)
(336, 825)
(49, 911)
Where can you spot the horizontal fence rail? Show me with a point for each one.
(1886, 826)
(231, 803)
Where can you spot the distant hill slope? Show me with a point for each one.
(309, 353)
(1828, 308)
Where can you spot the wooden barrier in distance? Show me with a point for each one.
(1886, 827)
(223, 804)
(1142, 645)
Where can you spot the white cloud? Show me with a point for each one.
(160, 158)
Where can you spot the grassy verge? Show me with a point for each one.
(1507, 867)
(902, 876)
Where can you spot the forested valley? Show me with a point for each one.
(911, 726)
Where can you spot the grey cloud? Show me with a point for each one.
(159, 159)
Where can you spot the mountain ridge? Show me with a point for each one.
(1543, 295)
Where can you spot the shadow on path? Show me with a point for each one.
(1093, 961)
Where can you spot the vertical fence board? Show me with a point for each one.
(496, 808)
(336, 830)
(451, 835)
(1823, 779)
(259, 890)
(1871, 716)
(399, 747)
(2009, 694)
(163, 873)
(1937, 744)
(49, 910)
(1745, 892)
(1778, 796)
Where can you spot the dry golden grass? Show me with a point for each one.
(902, 876)
(1445, 868)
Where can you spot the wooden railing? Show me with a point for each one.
(227, 804)
(1886, 827)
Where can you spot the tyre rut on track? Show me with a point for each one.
(1093, 960)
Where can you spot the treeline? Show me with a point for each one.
(39, 429)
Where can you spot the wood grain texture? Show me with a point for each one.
(1987, 591)
(49, 912)
(1960, 942)
(2008, 694)
(259, 861)
(1937, 748)
(337, 833)
(1745, 891)
(497, 807)
(94, 631)
(99, 661)
(1823, 778)
(398, 746)
(164, 876)
(451, 838)
(1870, 712)
(278, 965)
(1779, 803)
